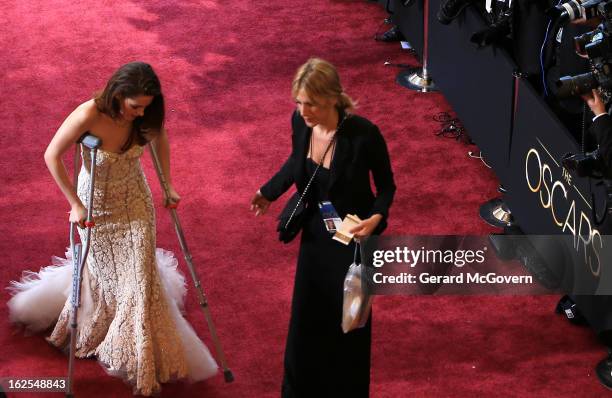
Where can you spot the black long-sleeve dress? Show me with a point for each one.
(320, 360)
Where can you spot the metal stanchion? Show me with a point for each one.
(418, 79)
(495, 212)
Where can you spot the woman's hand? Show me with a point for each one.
(172, 200)
(259, 204)
(366, 227)
(78, 215)
(594, 101)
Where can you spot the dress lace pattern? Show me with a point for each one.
(132, 295)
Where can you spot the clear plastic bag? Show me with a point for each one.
(357, 301)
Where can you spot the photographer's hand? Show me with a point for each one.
(594, 101)
(591, 22)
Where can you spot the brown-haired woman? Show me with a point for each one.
(132, 293)
(320, 360)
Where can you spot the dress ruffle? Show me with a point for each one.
(39, 297)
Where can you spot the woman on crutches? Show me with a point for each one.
(131, 292)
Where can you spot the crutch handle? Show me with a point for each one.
(90, 224)
(90, 141)
(172, 206)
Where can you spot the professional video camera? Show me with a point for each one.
(574, 10)
(595, 45)
(584, 165)
(499, 27)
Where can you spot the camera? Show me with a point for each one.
(595, 45)
(584, 165)
(573, 10)
(496, 31)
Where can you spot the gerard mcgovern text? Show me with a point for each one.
(458, 258)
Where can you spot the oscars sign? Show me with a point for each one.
(565, 204)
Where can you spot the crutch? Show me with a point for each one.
(80, 250)
(227, 373)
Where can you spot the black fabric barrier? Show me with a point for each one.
(538, 145)
(478, 83)
(409, 19)
(480, 86)
(524, 142)
(548, 199)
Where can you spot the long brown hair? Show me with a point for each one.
(129, 81)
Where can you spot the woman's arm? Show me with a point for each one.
(161, 146)
(75, 125)
(380, 165)
(283, 179)
(280, 182)
(274, 188)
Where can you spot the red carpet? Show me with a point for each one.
(226, 68)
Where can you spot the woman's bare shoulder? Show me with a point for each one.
(82, 118)
(87, 116)
(88, 111)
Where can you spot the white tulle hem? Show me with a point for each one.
(39, 297)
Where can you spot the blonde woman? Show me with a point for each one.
(320, 360)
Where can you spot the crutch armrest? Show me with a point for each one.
(90, 141)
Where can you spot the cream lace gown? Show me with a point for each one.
(132, 294)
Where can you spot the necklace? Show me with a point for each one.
(327, 136)
(331, 145)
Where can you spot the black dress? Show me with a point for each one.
(320, 360)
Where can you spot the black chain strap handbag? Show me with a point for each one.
(291, 219)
